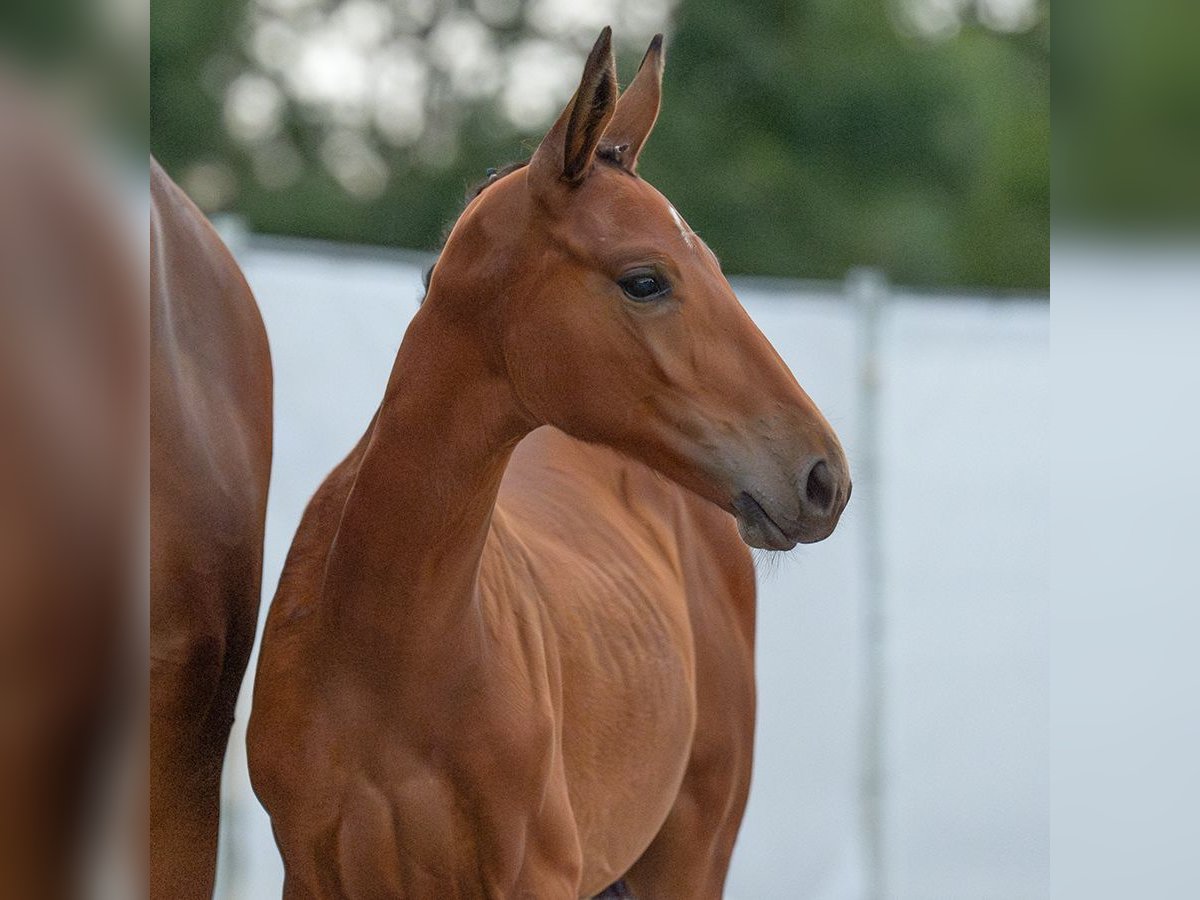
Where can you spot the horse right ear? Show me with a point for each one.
(637, 110)
(565, 154)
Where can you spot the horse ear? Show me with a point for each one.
(637, 109)
(566, 151)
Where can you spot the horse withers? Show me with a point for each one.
(507, 657)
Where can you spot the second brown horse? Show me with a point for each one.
(210, 463)
(508, 660)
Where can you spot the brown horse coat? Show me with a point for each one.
(210, 459)
(72, 366)
(507, 658)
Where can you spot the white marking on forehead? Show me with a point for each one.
(684, 231)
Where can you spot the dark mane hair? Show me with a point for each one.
(493, 175)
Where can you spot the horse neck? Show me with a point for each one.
(404, 562)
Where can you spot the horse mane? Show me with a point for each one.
(473, 191)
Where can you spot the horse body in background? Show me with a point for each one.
(210, 459)
(72, 367)
(507, 657)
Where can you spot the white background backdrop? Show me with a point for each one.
(945, 709)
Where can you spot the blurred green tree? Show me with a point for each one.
(819, 137)
(800, 137)
(1127, 133)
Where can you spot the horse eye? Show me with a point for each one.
(643, 286)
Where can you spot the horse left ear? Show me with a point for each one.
(637, 110)
(565, 153)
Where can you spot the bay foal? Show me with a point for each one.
(507, 660)
(210, 460)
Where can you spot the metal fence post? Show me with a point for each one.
(868, 290)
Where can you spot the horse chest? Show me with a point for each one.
(477, 800)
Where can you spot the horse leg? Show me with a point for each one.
(185, 796)
(294, 889)
(689, 858)
(192, 704)
(617, 891)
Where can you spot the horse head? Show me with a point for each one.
(611, 320)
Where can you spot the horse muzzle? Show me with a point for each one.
(810, 514)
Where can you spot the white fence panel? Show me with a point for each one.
(965, 541)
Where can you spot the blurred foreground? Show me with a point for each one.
(72, 415)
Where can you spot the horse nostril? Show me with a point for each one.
(820, 489)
